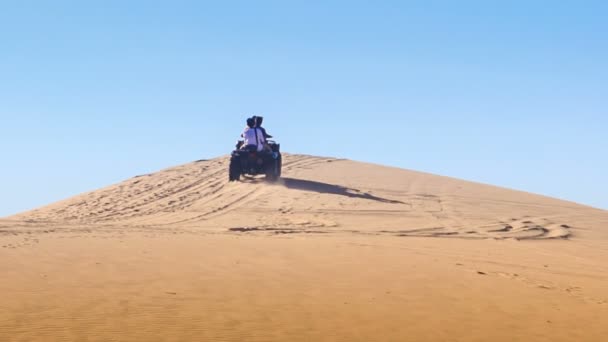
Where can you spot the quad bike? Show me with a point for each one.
(249, 161)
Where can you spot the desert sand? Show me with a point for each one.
(337, 250)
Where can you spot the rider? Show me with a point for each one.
(253, 136)
(258, 123)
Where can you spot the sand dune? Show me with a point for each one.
(335, 251)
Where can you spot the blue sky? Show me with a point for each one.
(511, 93)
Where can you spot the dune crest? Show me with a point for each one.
(317, 195)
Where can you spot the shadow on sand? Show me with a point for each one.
(325, 188)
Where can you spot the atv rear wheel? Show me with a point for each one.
(234, 171)
(273, 170)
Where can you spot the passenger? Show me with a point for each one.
(253, 137)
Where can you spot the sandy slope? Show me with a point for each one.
(336, 251)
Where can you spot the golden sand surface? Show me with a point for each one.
(336, 250)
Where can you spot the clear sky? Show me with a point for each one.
(511, 93)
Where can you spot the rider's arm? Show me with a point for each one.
(266, 135)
